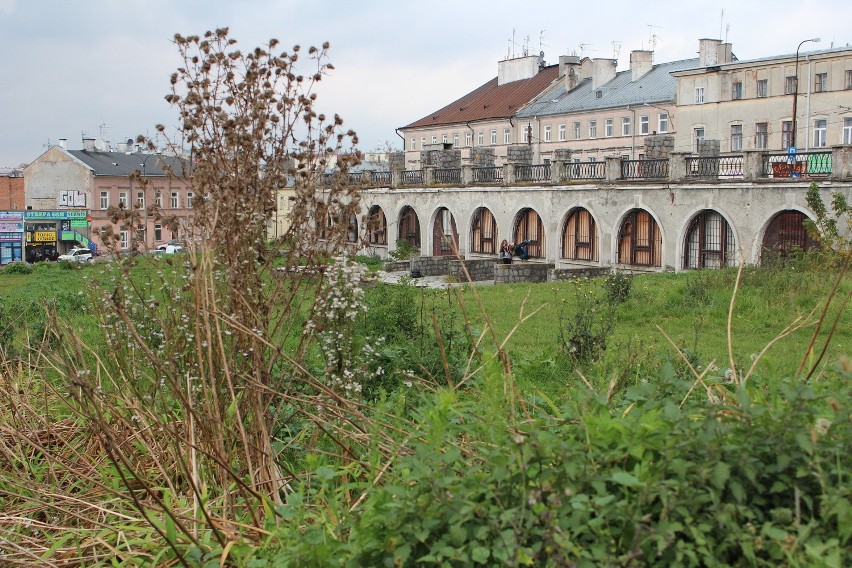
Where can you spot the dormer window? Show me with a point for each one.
(598, 94)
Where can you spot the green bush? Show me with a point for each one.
(18, 268)
(404, 250)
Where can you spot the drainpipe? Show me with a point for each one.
(472, 139)
(632, 134)
(808, 108)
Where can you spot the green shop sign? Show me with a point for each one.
(55, 215)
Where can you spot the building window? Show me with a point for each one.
(786, 134)
(761, 135)
(124, 239)
(593, 159)
(189, 196)
(608, 127)
(493, 137)
(790, 85)
(414, 143)
(625, 126)
(593, 129)
(699, 95)
(699, 138)
(444, 138)
(158, 198)
(158, 232)
(104, 200)
(140, 199)
(455, 139)
(467, 138)
(849, 78)
(736, 137)
(525, 134)
(562, 134)
(422, 142)
(847, 130)
(122, 199)
(547, 133)
(736, 90)
(663, 122)
(820, 127)
(175, 200)
(507, 136)
(762, 88)
(434, 139)
(576, 131)
(821, 83)
(480, 138)
(644, 124)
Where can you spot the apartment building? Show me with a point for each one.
(596, 111)
(484, 118)
(748, 105)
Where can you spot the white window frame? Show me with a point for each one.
(434, 139)
(413, 143)
(699, 95)
(789, 84)
(644, 124)
(548, 133)
(563, 133)
(736, 90)
(124, 239)
(140, 199)
(577, 130)
(626, 125)
(158, 232)
(480, 138)
(507, 136)
(158, 199)
(736, 138)
(122, 199)
(762, 88)
(698, 137)
(820, 133)
(422, 142)
(608, 127)
(175, 202)
(761, 138)
(444, 138)
(455, 139)
(493, 136)
(663, 122)
(820, 82)
(847, 131)
(525, 134)
(105, 200)
(468, 139)
(593, 129)
(189, 196)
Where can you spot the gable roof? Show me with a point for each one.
(123, 164)
(490, 101)
(656, 86)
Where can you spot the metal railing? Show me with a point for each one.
(412, 177)
(380, 178)
(645, 169)
(801, 164)
(488, 175)
(446, 175)
(538, 172)
(584, 170)
(714, 166)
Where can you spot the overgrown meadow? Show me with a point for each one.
(270, 404)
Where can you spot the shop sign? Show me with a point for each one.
(76, 224)
(44, 236)
(11, 237)
(69, 236)
(6, 216)
(11, 227)
(33, 215)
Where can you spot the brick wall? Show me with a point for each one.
(11, 193)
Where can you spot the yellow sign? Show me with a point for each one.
(44, 236)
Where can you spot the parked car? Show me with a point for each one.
(77, 255)
(167, 249)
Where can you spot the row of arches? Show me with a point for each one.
(709, 241)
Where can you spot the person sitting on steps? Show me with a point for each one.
(522, 250)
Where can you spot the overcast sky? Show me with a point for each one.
(102, 66)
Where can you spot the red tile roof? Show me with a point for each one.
(490, 101)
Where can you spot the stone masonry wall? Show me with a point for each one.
(519, 155)
(482, 157)
(397, 266)
(560, 274)
(430, 265)
(518, 272)
(441, 158)
(659, 146)
(708, 148)
(480, 269)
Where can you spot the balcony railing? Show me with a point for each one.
(412, 177)
(446, 175)
(488, 175)
(645, 169)
(538, 172)
(801, 164)
(380, 178)
(584, 170)
(714, 166)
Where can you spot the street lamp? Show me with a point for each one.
(796, 89)
(668, 116)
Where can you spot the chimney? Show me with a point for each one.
(569, 70)
(708, 52)
(89, 144)
(518, 69)
(62, 142)
(603, 71)
(726, 55)
(641, 61)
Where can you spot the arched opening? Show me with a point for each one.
(639, 240)
(786, 235)
(352, 229)
(409, 226)
(377, 226)
(483, 232)
(445, 236)
(529, 229)
(579, 239)
(709, 242)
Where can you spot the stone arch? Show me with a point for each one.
(640, 241)
(580, 236)
(484, 238)
(529, 227)
(409, 226)
(786, 234)
(377, 226)
(445, 235)
(709, 241)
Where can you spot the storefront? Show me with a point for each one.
(51, 233)
(11, 236)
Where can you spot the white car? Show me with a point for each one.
(167, 249)
(77, 255)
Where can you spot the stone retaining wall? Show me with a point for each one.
(430, 265)
(521, 271)
(559, 274)
(482, 157)
(480, 269)
(658, 146)
(397, 266)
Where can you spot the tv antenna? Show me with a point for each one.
(652, 37)
(616, 49)
(541, 44)
(583, 47)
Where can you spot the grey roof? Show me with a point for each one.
(123, 164)
(770, 58)
(656, 86)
